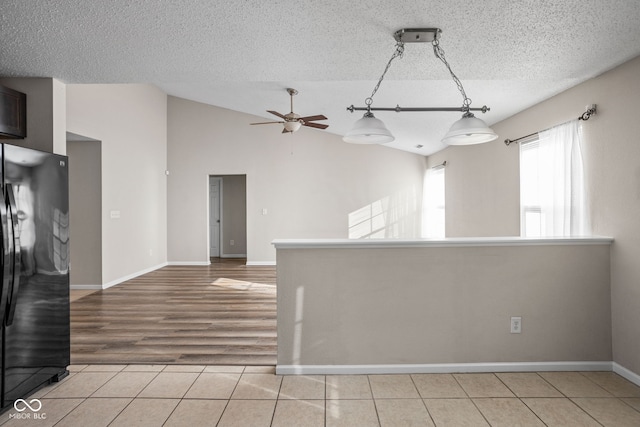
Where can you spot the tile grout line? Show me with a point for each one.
(244, 368)
(597, 384)
(422, 399)
(584, 410)
(325, 401)
(551, 385)
(133, 398)
(273, 415)
(522, 401)
(532, 411)
(373, 398)
(182, 398)
(85, 399)
(460, 385)
(375, 403)
(70, 411)
(564, 396)
(628, 404)
(475, 405)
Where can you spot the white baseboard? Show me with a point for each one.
(233, 255)
(132, 276)
(626, 373)
(256, 263)
(441, 368)
(189, 263)
(85, 287)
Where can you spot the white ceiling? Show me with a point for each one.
(242, 54)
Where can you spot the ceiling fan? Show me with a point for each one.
(293, 121)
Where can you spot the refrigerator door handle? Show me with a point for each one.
(16, 262)
(7, 250)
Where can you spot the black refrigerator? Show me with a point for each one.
(34, 299)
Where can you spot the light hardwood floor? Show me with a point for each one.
(222, 314)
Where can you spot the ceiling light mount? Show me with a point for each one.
(467, 130)
(417, 35)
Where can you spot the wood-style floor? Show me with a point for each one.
(222, 314)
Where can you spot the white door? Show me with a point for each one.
(215, 185)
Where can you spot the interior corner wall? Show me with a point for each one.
(303, 185)
(59, 101)
(46, 121)
(482, 195)
(130, 120)
(482, 185)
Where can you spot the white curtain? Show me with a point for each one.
(556, 183)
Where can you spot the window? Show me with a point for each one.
(434, 219)
(552, 190)
(530, 205)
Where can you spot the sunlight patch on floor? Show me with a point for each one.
(241, 285)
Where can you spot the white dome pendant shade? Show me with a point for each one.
(292, 126)
(469, 130)
(368, 130)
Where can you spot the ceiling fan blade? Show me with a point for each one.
(264, 123)
(315, 125)
(313, 118)
(275, 113)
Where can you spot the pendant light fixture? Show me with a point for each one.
(369, 130)
(468, 130)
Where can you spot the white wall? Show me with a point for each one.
(131, 123)
(483, 195)
(59, 101)
(482, 190)
(308, 182)
(46, 113)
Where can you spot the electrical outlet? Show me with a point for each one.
(232, 242)
(516, 325)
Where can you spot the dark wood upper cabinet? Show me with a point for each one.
(13, 114)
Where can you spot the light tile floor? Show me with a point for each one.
(193, 396)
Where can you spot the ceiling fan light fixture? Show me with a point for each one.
(292, 122)
(469, 130)
(368, 130)
(292, 126)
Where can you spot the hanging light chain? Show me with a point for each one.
(397, 53)
(466, 101)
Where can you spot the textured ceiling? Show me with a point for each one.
(242, 54)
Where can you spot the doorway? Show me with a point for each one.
(85, 211)
(227, 216)
(215, 189)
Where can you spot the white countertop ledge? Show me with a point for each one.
(437, 243)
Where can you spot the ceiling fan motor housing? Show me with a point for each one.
(292, 121)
